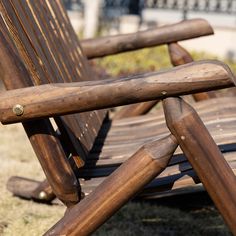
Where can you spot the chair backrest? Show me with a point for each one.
(50, 50)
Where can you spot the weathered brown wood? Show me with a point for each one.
(58, 99)
(43, 42)
(31, 189)
(117, 189)
(204, 155)
(41, 133)
(222, 127)
(22, 187)
(201, 150)
(184, 56)
(51, 52)
(167, 34)
(167, 183)
(180, 56)
(43, 192)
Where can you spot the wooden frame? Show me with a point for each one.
(47, 100)
(34, 105)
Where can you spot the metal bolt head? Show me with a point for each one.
(18, 110)
(42, 195)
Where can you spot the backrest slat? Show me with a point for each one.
(69, 35)
(56, 42)
(50, 49)
(38, 41)
(19, 37)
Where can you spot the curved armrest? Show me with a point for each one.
(59, 99)
(105, 46)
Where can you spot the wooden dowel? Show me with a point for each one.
(167, 34)
(31, 189)
(180, 56)
(57, 99)
(199, 147)
(43, 192)
(117, 189)
(204, 156)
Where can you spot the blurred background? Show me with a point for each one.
(105, 17)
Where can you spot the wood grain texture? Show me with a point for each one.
(41, 133)
(180, 56)
(201, 150)
(104, 46)
(117, 189)
(128, 135)
(51, 52)
(204, 155)
(57, 99)
(31, 189)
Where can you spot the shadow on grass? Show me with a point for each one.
(192, 214)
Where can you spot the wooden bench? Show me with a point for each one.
(38, 47)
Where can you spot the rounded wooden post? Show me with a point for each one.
(66, 98)
(31, 189)
(117, 189)
(204, 156)
(180, 56)
(104, 46)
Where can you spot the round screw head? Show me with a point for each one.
(18, 110)
(42, 195)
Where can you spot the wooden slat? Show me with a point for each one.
(41, 134)
(162, 184)
(50, 49)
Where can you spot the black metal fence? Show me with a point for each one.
(213, 6)
(127, 6)
(73, 4)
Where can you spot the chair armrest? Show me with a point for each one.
(99, 47)
(59, 99)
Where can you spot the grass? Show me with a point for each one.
(155, 219)
(146, 60)
(192, 214)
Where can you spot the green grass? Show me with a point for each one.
(146, 60)
(136, 62)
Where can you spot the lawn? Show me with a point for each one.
(184, 215)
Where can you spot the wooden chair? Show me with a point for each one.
(38, 46)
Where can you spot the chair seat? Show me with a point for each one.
(124, 137)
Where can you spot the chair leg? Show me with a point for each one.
(31, 189)
(204, 156)
(180, 56)
(117, 189)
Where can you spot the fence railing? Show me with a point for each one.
(214, 6)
